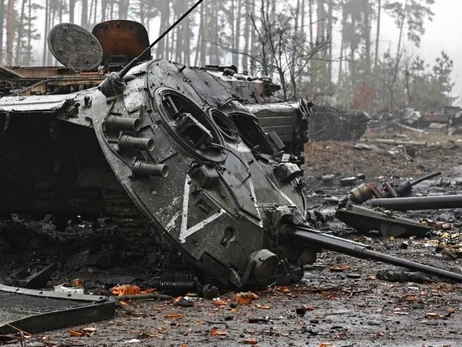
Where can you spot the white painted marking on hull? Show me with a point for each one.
(172, 222)
(200, 225)
(184, 219)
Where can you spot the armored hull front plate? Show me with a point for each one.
(216, 201)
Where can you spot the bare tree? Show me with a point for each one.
(2, 11)
(282, 49)
(9, 32)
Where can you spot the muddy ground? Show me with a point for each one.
(342, 301)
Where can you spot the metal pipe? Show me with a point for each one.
(122, 123)
(424, 178)
(419, 203)
(310, 237)
(130, 142)
(142, 169)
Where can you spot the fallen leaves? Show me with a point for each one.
(433, 315)
(126, 289)
(78, 282)
(219, 302)
(249, 342)
(245, 298)
(216, 332)
(173, 316)
(82, 332)
(263, 307)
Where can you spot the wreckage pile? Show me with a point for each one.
(333, 124)
(448, 121)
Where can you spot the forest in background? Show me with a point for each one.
(291, 41)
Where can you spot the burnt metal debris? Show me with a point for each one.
(191, 156)
(367, 191)
(37, 310)
(365, 220)
(35, 275)
(420, 203)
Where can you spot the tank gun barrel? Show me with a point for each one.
(419, 203)
(310, 237)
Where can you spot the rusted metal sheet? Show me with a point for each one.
(122, 38)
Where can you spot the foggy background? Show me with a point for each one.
(346, 83)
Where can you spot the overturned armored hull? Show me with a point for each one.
(333, 124)
(190, 156)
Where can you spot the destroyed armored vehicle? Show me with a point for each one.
(192, 158)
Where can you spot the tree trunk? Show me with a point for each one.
(84, 19)
(199, 36)
(28, 58)
(179, 33)
(377, 40)
(186, 41)
(111, 12)
(45, 51)
(2, 20)
(92, 5)
(342, 44)
(253, 64)
(72, 11)
(103, 10)
(321, 20)
(310, 13)
(9, 32)
(51, 17)
(216, 32)
(330, 27)
(20, 27)
(367, 23)
(245, 59)
(123, 8)
(238, 31)
(95, 12)
(164, 15)
(398, 56)
(205, 34)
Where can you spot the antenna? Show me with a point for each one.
(127, 67)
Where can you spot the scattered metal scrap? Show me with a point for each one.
(367, 191)
(35, 275)
(364, 220)
(35, 311)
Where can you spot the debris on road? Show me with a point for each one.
(367, 191)
(389, 225)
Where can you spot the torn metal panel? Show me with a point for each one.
(35, 311)
(35, 275)
(35, 104)
(364, 220)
